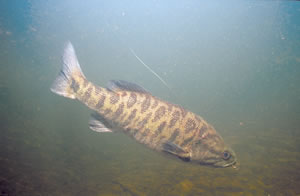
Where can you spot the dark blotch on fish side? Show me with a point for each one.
(114, 98)
(136, 120)
(183, 111)
(175, 118)
(107, 111)
(174, 135)
(130, 117)
(170, 107)
(159, 113)
(146, 104)
(86, 96)
(203, 128)
(97, 91)
(155, 104)
(119, 111)
(132, 100)
(186, 141)
(190, 125)
(101, 102)
(74, 85)
(89, 90)
(160, 128)
(142, 123)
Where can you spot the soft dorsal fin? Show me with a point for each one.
(120, 85)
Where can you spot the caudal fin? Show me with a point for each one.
(70, 70)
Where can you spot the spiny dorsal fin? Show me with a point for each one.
(121, 85)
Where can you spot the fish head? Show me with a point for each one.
(212, 150)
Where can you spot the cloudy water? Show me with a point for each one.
(236, 64)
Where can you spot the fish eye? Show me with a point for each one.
(226, 155)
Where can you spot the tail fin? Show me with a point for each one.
(71, 68)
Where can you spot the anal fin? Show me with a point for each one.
(99, 124)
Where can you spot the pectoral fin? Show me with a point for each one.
(99, 124)
(176, 150)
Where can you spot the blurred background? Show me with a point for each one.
(235, 63)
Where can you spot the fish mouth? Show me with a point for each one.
(221, 164)
(234, 164)
(230, 164)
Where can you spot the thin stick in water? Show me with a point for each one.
(132, 51)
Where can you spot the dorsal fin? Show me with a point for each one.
(120, 85)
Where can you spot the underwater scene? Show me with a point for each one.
(149, 98)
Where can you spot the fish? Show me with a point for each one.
(128, 108)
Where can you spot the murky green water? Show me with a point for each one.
(235, 64)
